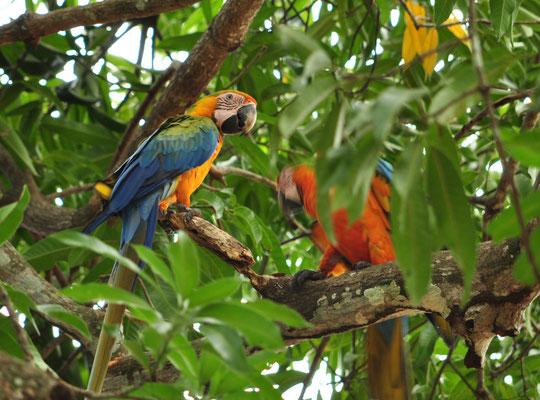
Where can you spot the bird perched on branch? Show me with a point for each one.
(166, 168)
(358, 244)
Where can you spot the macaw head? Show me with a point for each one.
(289, 192)
(231, 110)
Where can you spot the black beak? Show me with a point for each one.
(288, 207)
(242, 121)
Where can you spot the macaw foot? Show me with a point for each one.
(190, 212)
(360, 265)
(302, 276)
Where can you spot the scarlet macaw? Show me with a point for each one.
(366, 241)
(166, 168)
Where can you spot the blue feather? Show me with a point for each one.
(146, 177)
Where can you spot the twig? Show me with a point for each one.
(360, 25)
(467, 93)
(19, 331)
(69, 191)
(501, 102)
(145, 292)
(302, 235)
(218, 172)
(375, 56)
(463, 379)
(521, 355)
(411, 15)
(524, 380)
(47, 350)
(439, 373)
(60, 276)
(314, 366)
(69, 361)
(247, 67)
(141, 111)
(482, 391)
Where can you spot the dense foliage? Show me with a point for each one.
(331, 92)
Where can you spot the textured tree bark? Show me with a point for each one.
(22, 380)
(31, 26)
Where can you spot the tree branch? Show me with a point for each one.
(41, 217)
(31, 26)
(369, 296)
(218, 172)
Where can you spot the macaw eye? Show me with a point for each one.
(229, 96)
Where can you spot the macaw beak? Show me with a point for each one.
(242, 121)
(289, 194)
(289, 207)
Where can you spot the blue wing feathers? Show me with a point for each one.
(385, 169)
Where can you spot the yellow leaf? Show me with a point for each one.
(407, 48)
(417, 10)
(417, 36)
(458, 30)
(429, 61)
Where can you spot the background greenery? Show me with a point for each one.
(328, 82)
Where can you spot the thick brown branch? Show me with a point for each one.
(22, 380)
(31, 26)
(41, 217)
(368, 296)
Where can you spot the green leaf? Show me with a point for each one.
(277, 312)
(77, 239)
(523, 269)
(183, 356)
(213, 291)
(387, 105)
(426, 344)
(452, 212)
(523, 146)
(58, 312)
(501, 15)
(304, 104)
(258, 159)
(93, 292)
(156, 264)
(44, 254)
(506, 225)
(14, 216)
(442, 10)
(258, 330)
(77, 132)
(298, 42)
(228, 345)
(410, 222)
(14, 142)
(137, 351)
(9, 343)
(184, 261)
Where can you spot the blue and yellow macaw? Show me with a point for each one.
(358, 244)
(166, 168)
